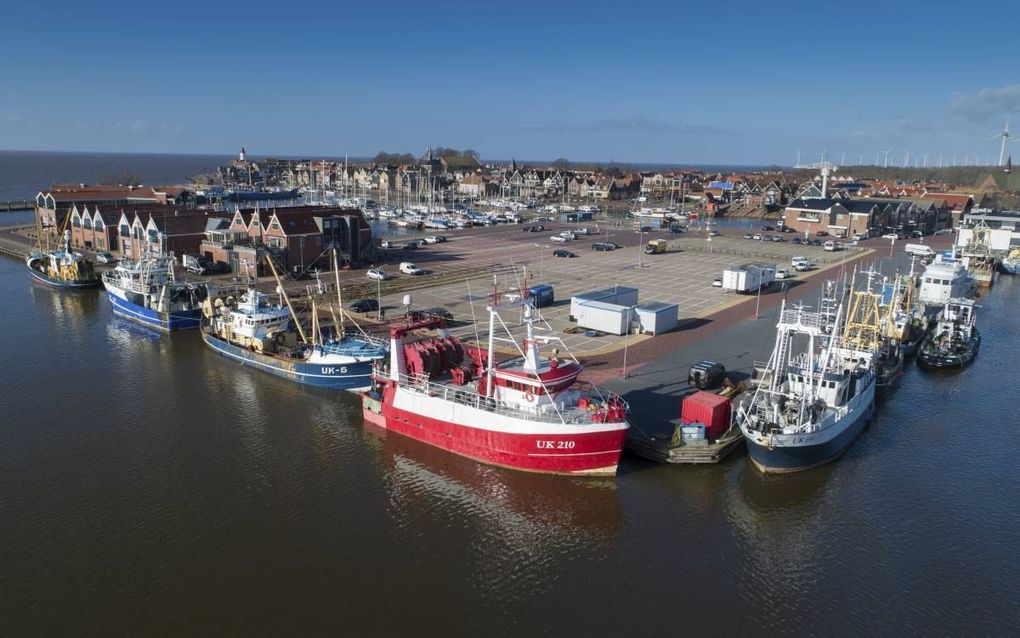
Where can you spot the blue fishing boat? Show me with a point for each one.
(147, 292)
(255, 332)
(63, 267)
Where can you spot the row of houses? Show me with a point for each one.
(299, 237)
(846, 217)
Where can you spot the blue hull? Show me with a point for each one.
(60, 283)
(179, 320)
(793, 459)
(353, 376)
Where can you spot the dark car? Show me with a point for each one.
(767, 228)
(795, 240)
(602, 245)
(364, 305)
(430, 313)
(815, 242)
(563, 253)
(707, 374)
(676, 230)
(645, 229)
(821, 233)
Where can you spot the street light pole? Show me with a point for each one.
(626, 336)
(757, 301)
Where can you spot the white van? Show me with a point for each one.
(919, 249)
(799, 260)
(409, 268)
(829, 246)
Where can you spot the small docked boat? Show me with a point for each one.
(256, 332)
(63, 267)
(1010, 264)
(944, 280)
(955, 340)
(147, 292)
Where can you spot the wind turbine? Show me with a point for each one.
(906, 158)
(1005, 138)
(842, 159)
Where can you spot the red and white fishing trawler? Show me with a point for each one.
(527, 413)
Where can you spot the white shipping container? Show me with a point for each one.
(619, 295)
(657, 317)
(749, 277)
(604, 317)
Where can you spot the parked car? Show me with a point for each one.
(821, 233)
(387, 244)
(428, 313)
(717, 282)
(603, 245)
(106, 258)
(582, 231)
(378, 273)
(860, 236)
(559, 238)
(409, 268)
(795, 240)
(645, 229)
(748, 236)
(757, 236)
(676, 230)
(563, 253)
(707, 374)
(782, 273)
(767, 228)
(890, 236)
(803, 266)
(537, 228)
(364, 305)
(943, 231)
(411, 245)
(816, 242)
(776, 238)
(431, 239)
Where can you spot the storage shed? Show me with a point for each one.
(657, 316)
(618, 295)
(604, 317)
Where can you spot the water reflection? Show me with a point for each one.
(525, 511)
(66, 308)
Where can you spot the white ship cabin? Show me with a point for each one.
(140, 275)
(829, 387)
(532, 380)
(956, 321)
(255, 317)
(943, 281)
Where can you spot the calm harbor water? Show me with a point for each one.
(150, 487)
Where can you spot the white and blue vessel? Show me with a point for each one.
(146, 291)
(255, 332)
(815, 397)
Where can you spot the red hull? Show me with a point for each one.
(592, 454)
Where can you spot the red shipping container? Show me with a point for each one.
(708, 408)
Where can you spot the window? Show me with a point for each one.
(87, 223)
(99, 224)
(76, 221)
(125, 230)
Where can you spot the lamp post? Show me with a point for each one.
(378, 299)
(757, 301)
(626, 336)
(892, 244)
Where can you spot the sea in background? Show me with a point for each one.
(25, 173)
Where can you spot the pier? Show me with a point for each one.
(16, 206)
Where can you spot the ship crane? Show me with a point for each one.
(826, 169)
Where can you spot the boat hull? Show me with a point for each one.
(168, 322)
(931, 359)
(783, 459)
(61, 283)
(595, 453)
(351, 376)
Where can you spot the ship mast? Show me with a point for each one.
(286, 300)
(339, 297)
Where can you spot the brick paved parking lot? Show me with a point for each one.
(683, 275)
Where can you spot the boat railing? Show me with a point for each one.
(807, 319)
(546, 413)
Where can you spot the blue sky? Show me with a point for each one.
(736, 83)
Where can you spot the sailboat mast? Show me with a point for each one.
(339, 296)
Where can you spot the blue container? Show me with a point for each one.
(542, 294)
